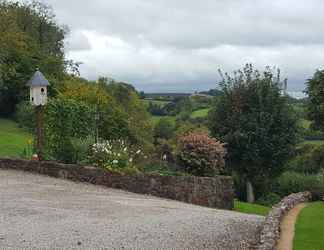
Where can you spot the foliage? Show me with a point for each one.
(201, 155)
(309, 159)
(66, 119)
(164, 129)
(81, 149)
(309, 227)
(140, 129)
(25, 116)
(293, 182)
(29, 38)
(250, 208)
(156, 109)
(163, 168)
(315, 104)
(116, 155)
(252, 116)
(269, 199)
(112, 121)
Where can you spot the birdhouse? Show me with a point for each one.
(38, 89)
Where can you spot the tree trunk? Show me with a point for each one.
(249, 192)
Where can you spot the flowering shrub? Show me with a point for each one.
(200, 154)
(116, 155)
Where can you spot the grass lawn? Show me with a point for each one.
(200, 113)
(156, 118)
(309, 229)
(248, 208)
(13, 140)
(313, 142)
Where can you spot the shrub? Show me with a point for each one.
(81, 149)
(201, 155)
(116, 155)
(293, 182)
(269, 199)
(66, 119)
(309, 159)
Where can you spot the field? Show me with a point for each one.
(310, 227)
(13, 140)
(200, 113)
(313, 142)
(247, 208)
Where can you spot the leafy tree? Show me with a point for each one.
(252, 116)
(139, 124)
(29, 38)
(112, 120)
(156, 109)
(315, 105)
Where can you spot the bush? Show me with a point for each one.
(81, 149)
(269, 199)
(293, 182)
(309, 159)
(116, 155)
(201, 155)
(65, 120)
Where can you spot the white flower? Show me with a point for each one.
(131, 160)
(138, 151)
(125, 149)
(115, 161)
(118, 154)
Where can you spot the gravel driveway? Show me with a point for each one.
(39, 212)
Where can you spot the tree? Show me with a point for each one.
(315, 104)
(29, 38)
(253, 117)
(139, 124)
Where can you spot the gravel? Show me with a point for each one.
(39, 212)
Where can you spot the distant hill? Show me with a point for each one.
(211, 92)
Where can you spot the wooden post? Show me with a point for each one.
(39, 131)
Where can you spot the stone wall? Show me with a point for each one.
(214, 192)
(270, 232)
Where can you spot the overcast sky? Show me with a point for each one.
(178, 45)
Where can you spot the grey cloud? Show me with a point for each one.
(76, 40)
(180, 44)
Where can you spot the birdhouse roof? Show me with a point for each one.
(37, 80)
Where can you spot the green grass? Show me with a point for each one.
(156, 119)
(309, 228)
(313, 142)
(248, 208)
(13, 140)
(200, 113)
